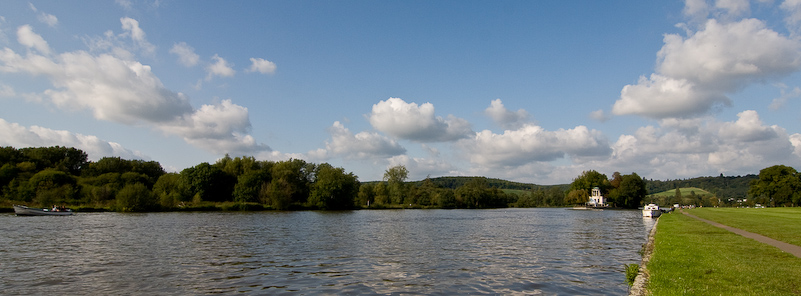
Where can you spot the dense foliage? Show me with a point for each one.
(778, 185)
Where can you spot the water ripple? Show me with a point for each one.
(396, 252)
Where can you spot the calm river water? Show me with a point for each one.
(401, 252)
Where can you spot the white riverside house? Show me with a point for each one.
(596, 199)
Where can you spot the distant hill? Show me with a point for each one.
(723, 187)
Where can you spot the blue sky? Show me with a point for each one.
(531, 91)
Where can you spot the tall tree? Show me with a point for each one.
(631, 191)
(590, 179)
(395, 176)
(333, 189)
(780, 184)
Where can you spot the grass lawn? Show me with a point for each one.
(694, 258)
(782, 224)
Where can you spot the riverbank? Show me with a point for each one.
(693, 257)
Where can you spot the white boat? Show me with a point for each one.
(651, 210)
(26, 211)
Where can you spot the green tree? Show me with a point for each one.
(249, 185)
(780, 184)
(209, 183)
(170, 189)
(366, 195)
(577, 197)
(135, 198)
(631, 192)
(290, 182)
(589, 180)
(677, 198)
(333, 189)
(395, 177)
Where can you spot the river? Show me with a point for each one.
(402, 252)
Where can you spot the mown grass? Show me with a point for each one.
(694, 258)
(782, 224)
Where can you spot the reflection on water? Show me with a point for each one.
(504, 251)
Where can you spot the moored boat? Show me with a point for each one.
(26, 211)
(651, 210)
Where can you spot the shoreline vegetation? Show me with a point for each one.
(46, 176)
(693, 257)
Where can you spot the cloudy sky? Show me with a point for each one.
(531, 91)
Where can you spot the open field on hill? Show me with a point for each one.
(684, 192)
(694, 258)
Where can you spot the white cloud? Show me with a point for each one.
(262, 66)
(128, 92)
(137, 35)
(599, 115)
(793, 10)
(505, 118)
(795, 139)
(733, 8)
(725, 57)
(49, 19)
(220, 67)
(30, 39)
(696, 73)
(664, 97)
(748, 128)
(533, 143)
(15, 135)
(417, 123)
(359, 146)
(186, 54)
(218, 128)
(124, 3)
(696, 9)
(674, 151)
(785, 96)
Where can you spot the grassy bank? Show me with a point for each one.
(782, 224)
(694, 258)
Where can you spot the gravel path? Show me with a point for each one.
(789, 248)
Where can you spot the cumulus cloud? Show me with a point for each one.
(15, 135)
(220, 68)
(186, 54)
(262, 66)
(532, 143)
(137, 35)
(417, 123)
(748, 128)
(362, 145)
(664, 97)
(128, 92)
(696, 73)
(30, 39)
(671, 150)
(505, 118)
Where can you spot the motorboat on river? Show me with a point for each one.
(651, 210)
(55, 211)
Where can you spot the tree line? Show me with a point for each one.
(47, 176)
